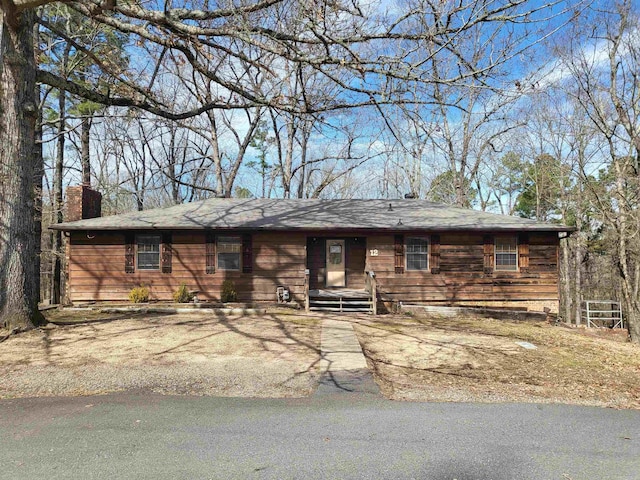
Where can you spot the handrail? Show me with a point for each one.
(306, 291)
(371, 275)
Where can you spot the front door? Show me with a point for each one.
(336, 276)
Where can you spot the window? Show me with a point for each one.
(507, 254)
(417, 253)
(335, 254)
(229, 250)
(148, 252)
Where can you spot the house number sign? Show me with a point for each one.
(373, 252)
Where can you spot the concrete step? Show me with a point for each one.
(341, 304)
(341, 310)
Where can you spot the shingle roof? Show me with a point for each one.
(307, 214)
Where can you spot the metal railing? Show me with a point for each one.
(602, 313)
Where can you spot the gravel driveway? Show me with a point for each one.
(273, 355)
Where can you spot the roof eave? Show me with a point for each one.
(394, 228)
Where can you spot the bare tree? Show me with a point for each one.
(182, 169)
(343, 41)
(609, 97)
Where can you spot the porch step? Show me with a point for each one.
(341, 304)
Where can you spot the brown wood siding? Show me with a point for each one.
(462, 276)
(356, 253)
(96, 268)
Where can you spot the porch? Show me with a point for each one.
(336, 277)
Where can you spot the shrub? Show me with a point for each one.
(228, 293)
(182, 295)
(139, 294)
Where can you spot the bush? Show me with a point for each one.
(182, 295)
(228, 293)
(139, 294)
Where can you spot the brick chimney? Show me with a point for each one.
(83, 203)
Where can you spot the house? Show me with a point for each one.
(320, 251)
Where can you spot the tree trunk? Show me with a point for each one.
(632, 306)
(577, 282)
(461, 198)
(216, 154)
(565, 280)
(242, 150)
(19, 277)
(56, 247)
(171, 167)
(287, 166)
(85, 157)
(303, 161)
(37, 182)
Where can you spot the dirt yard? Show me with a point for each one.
(427, 358)
(436, 358)
(200, 353)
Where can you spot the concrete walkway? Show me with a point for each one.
(343, 364)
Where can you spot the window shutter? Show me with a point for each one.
(211, 252)
(488, 254)
(399, 253)
(167, 252)
(435, 254)
(129, 253)
(247, 254)
(523, 252)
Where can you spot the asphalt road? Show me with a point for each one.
(325, 437)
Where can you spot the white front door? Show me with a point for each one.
(336, 276)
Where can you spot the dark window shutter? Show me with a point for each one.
(211, 252)
(129, 253)
(489, 247)
(435, 254)
(523, 252)
(247, 254)
(399, 253)
(167, 252)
